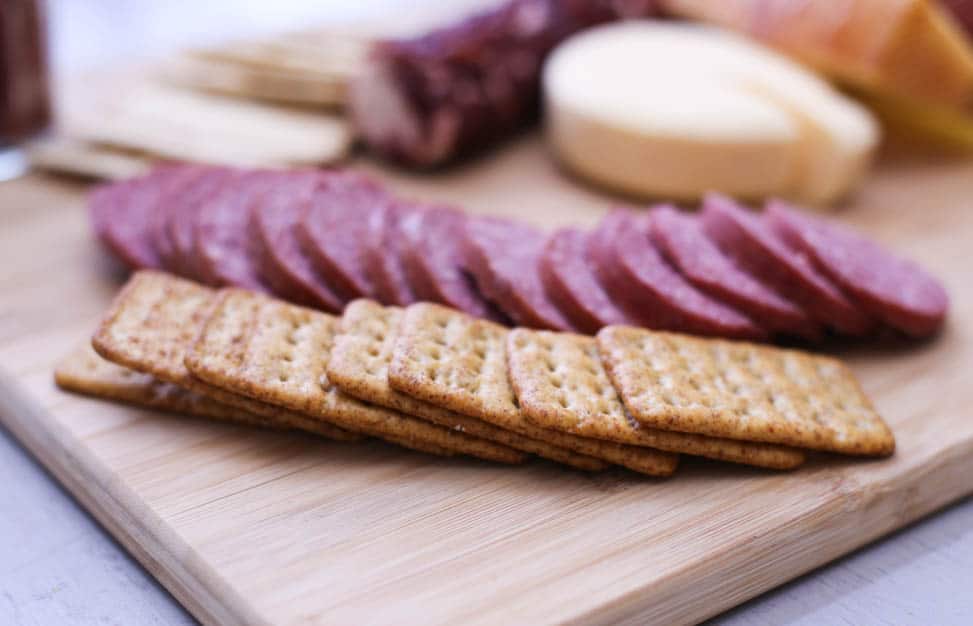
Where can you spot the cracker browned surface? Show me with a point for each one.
(561, 384)
(149, 328)
(458, 362)
(84, 371)
(277, 353)
(742, 391)
(359, 365)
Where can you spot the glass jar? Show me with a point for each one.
(25, 109)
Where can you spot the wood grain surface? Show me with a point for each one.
(263, 528)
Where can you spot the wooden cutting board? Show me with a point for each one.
(253, 527)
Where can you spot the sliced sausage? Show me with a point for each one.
(756, 249)
(434, 264)
(225, 255)
(572, 285)
(650, 290)
(118, 212)
(122, 212)
(282, 263)
(384, 256)
(503, 256)
(681, 239)
(175, 236)
(333, 229)
(889, 288)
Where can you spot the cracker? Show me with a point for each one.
(83, 371)
(560, 383)
(277, 353)
(153, 322)
(359, 365)
(458, 362)
(742, 391)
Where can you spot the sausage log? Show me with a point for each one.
(425, 101)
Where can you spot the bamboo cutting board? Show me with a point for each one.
(254, 527)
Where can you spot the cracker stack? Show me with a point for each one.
(432, 379)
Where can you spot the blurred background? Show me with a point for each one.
(134, 82)
(88, 34)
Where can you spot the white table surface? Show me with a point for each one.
(57, 566)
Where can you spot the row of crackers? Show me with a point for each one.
(436, 380)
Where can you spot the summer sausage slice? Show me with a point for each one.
(572, 285)
(171, 197)
(281, 262)
(225, 255)
(118, 212)
(434, 264)
(643, 283)
(175, 237)
(756, 249)
(892, 289)
(333, 230)
(384, 256)
(122, 213)
(681, 239)
(503, 256)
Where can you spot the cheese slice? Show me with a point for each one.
(674, 110)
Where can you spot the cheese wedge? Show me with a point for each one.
(910, 60)
(911, 48)
(674, 110)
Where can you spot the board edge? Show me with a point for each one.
(145, 537)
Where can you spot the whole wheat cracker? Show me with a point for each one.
(560, 383)
(277, 353)
(359, 366)
(458, 362)
(740, 390)
(83, 371)
(151, 324)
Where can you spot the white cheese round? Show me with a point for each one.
(674, 110)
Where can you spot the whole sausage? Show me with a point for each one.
(425, 101)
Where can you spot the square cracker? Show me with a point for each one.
(149, 328)
(359, 365)
(560, 382)
(83, 371)
(277, 353)
(743, 391)
(458, 362)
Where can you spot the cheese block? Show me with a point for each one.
(661, 109)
